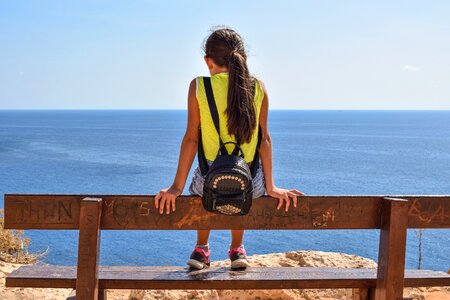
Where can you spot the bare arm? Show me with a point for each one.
(266, 143)
(188, 150)
(266, 159)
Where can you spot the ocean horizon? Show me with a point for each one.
(135, 151)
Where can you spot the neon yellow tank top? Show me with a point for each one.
(210, 138)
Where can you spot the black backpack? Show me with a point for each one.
(228, 187)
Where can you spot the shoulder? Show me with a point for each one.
(194, 85)
(197, 84)
(197, 90)
(259, 85)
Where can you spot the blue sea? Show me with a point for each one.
(136, 152)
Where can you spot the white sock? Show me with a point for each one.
(204, 247)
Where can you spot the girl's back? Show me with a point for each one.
(210, 138)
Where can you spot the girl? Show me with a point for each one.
(242, 103)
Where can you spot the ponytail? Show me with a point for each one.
(240, 109)
(226, 48)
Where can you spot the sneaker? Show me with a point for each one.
(199, 259)
(238, 258)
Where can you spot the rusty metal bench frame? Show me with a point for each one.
(92, 213)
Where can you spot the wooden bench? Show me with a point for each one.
(92, 213)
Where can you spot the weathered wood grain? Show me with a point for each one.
(102, 294)
(361, 294)
(42, 211)
(392, 248)
(89, 249)
(131, 277)
(139, 212)
(392, 216)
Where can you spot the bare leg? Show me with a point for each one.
(236, 238)
(203, 236)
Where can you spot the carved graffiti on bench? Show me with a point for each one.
(48, 211)
(139, 212)
(428, 216)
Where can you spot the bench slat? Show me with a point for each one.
(40, 211)
(130, 277)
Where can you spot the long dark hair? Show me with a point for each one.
(226, 48)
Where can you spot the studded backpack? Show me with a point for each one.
(228, 185)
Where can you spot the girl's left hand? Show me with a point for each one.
(167, 197)
(284, 195)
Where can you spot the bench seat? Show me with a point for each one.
(132, 277)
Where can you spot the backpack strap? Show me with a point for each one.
(212, 106)
(255, 163)
(202, 163)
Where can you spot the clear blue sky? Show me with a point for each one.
(143, 54)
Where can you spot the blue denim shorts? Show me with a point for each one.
(259, 185)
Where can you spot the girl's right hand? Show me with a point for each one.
(284, 195)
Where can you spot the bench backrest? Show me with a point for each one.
(139, 212)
